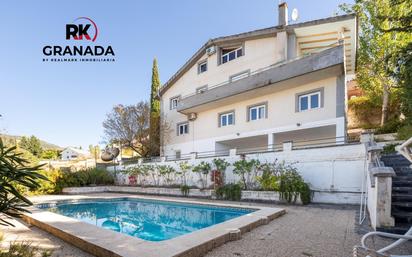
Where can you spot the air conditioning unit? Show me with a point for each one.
(211, 50)
(192, 116)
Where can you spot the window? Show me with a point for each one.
(182, 128)
(309, 101)
(240, 75)
(226, 119)
(174, 102)
(200, 90)
(202, 67)
(229, 54)
(257, 112)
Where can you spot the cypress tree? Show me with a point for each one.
(155, 112)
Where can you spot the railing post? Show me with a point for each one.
(287, 146)
(162, 158)
(193, 155)
(381, 197)
(232, 152)
(366, 137)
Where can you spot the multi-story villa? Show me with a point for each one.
(261, 88)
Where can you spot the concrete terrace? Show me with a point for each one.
(313, 230)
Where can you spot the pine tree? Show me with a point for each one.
(155, 112)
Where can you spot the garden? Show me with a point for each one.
(251, 175)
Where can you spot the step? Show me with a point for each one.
(402, 204)
(403, 189)
(401, 183)
(399, 197)
(401, 214)
(400, 228)
(402, 178)
(403, 169)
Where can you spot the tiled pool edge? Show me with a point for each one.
(102, 242)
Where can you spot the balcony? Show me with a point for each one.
(277, 77)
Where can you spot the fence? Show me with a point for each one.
(333, 171)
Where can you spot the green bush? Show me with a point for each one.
(405, 132)
(247, 170)
(390, 126)
(185, 189)
(231, 192)
(292, 186)
(268, 181)
(203, 169)
(58, 179)
(388, 149)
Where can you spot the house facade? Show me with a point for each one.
(258, 89)
(72, 153)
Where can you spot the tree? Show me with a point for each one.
(374, 49)
(14, 173)
(50, 154)
(155, 112)
(94, 151)
(396, 22)
(32, 144)
(128, 125)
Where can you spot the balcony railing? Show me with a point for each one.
(286, 146)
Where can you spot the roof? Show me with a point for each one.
(255, 34)
(77, 150)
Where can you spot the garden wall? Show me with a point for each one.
(334, 172)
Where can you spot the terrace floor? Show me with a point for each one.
(313, 230)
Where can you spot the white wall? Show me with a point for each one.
(334, 173)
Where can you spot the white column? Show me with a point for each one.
(340, 130)
(271, 141)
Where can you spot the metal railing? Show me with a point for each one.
(257, 71)
(323, 142)
(285, 146)
(405, 149)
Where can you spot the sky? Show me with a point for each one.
(66, 103)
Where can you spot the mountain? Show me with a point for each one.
(11, 140)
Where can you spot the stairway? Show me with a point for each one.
(401, 192)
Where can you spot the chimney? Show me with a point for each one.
(283, 14)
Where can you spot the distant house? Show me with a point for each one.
(72, 153)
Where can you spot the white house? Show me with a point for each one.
(261, 88)
(72, 153)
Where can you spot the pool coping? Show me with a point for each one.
(102, 242)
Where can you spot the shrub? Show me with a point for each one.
(203, 169)
(405, 132)
(15, 174)
(59, 179)
(389, 148)
(269, 181)
(25, 249)
(246, 170)
(231, 192)
(185, 189)
(166, 171)
(219, 172)
(185, 167)
(292, 186)
(140, 172)
(390, 126)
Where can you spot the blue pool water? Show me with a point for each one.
(146, 219)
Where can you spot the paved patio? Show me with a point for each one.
(314, 230)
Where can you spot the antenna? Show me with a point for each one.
(295, 14)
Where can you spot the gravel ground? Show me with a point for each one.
(314, 230)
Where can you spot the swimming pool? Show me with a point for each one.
(150, 220)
